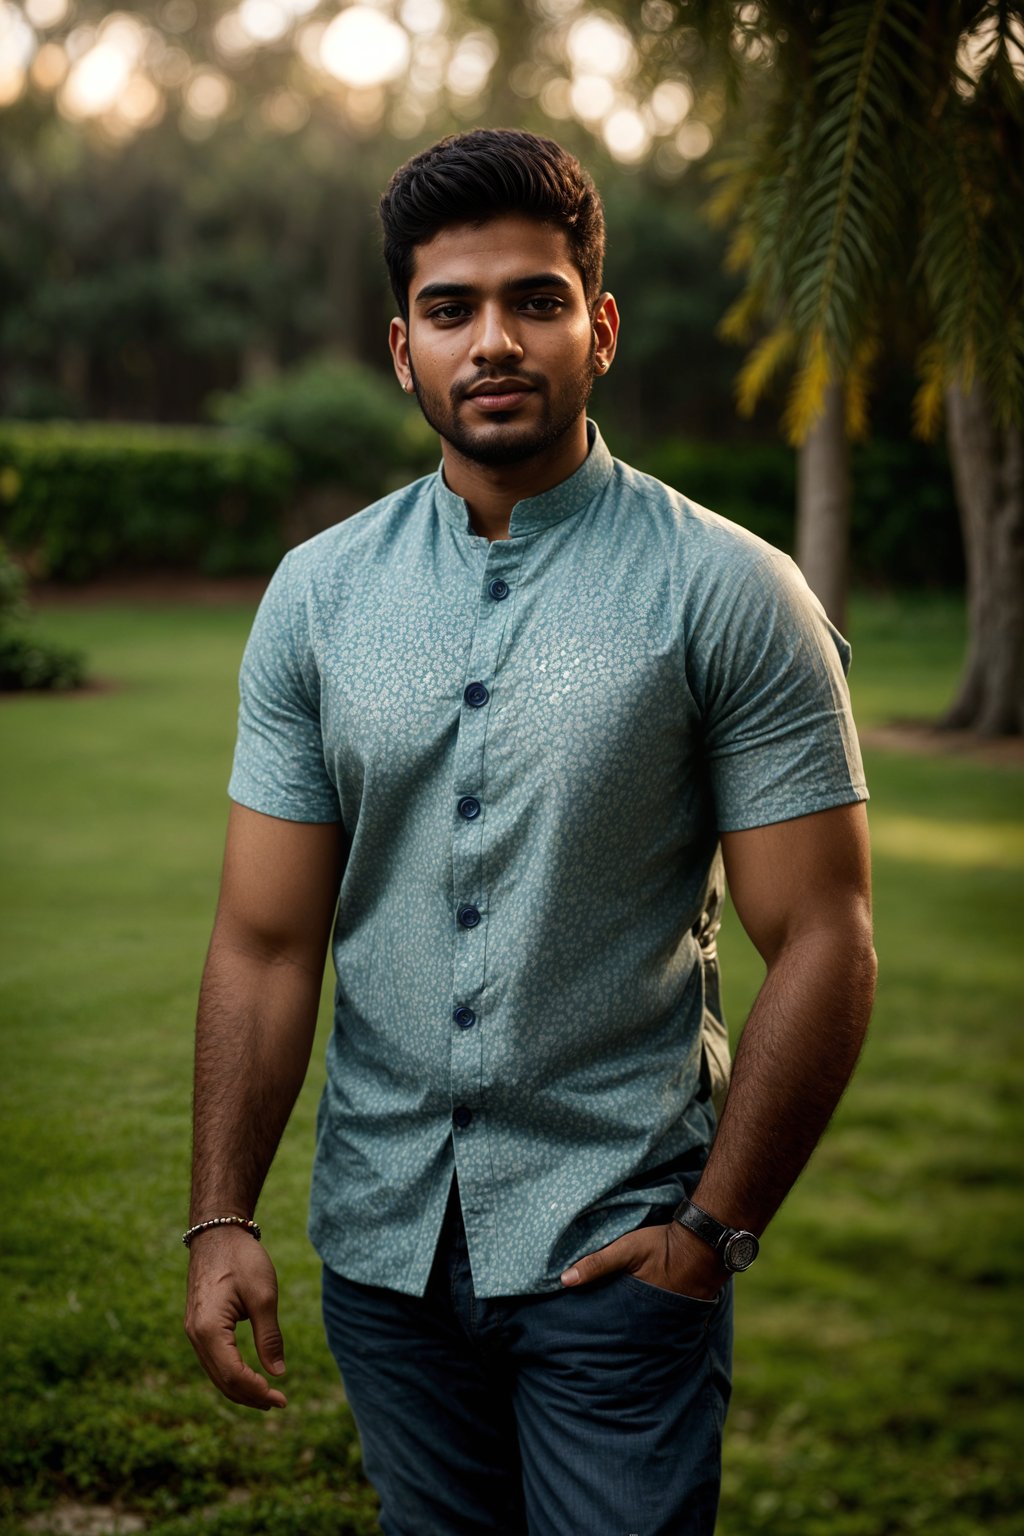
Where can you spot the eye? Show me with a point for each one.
(542, 304)
(447, 312)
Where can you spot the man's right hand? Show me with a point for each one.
(230, 1278)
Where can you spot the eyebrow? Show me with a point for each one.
(444, 290)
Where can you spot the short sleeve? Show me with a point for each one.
(778, 729)
(279, 765)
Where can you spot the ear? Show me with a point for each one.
(398, 341)
(606, 331)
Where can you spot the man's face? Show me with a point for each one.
(500, 346)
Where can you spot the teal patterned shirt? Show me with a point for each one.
(532, 746)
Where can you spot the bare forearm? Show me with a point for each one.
(254, 1033)
(798, 1050)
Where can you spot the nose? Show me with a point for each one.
(494, 338)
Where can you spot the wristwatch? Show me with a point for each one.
(737, 1250)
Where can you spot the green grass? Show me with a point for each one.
(877, 1387)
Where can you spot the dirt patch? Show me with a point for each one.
(67, 1518)
(925, 740)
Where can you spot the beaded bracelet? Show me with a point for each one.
(249, 1226)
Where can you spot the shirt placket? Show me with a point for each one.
(473, 913)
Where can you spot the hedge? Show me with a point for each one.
(904, 530)
(80, 500)
(77, 500)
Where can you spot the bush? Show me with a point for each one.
(904, 528)
(78, 500)
(24, 661)
(344, 424)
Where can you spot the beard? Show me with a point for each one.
(513, 442)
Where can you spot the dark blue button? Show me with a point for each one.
(462, 1116)
(469, 807)
(498, 589)
(475, 695)
(465, 1018)
(469, 917)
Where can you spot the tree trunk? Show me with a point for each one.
(823, 507)
(988, 475)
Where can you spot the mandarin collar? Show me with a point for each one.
(535, 513)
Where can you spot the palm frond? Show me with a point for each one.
(928, 404)
(858, 383)
(807, 393)
(770, 355)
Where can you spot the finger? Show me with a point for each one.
(605, 1261)
(237, 1380)
(266, 1335)
(222, 1361)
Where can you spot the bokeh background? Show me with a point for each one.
(815, 238)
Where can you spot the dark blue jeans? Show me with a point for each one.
(589, 1412)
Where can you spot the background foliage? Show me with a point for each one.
(878, 1383)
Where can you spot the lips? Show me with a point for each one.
(499, 394)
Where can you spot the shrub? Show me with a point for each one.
(77, 500)
(904, 530)
(343, 423)
(26, 662)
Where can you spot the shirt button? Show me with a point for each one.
(469, 917)
(465, 1018)
(475, 695)
(498, 589)
(469, 807)
(462, 1116)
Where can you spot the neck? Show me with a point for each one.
(491, 492)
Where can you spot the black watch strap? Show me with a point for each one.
(736, 1249)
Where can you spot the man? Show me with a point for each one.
(495, 728)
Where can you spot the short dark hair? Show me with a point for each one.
(472, 177)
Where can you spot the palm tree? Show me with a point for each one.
(886, 175)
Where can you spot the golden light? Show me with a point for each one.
(470, 65)
(12, 81)
(308, 41)
(361, 47)
(78, 42)
(558, 10)
(172, 68)
(599, 45)
(95, 81)
(208, 95)
(126, 34)
(423, 16)
(17, 47)
(230, 37)
(556, 99)
(626, 135)
(264, 20)
(285, 111)
(693, 140)
(364, 107)
(46, 13)
(591, 97)
(976, 51)
(657, 15)
(671, 101)
(49, 67)
(407, 119)
(140, 103)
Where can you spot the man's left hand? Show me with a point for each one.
(666, 1256)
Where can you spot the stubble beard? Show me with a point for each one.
(514, 444)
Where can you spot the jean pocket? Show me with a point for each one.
(659, 1294)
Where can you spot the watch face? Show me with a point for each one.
(741, 1251)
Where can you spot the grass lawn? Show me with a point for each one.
(878, 1380)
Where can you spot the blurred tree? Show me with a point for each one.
(888, 173)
